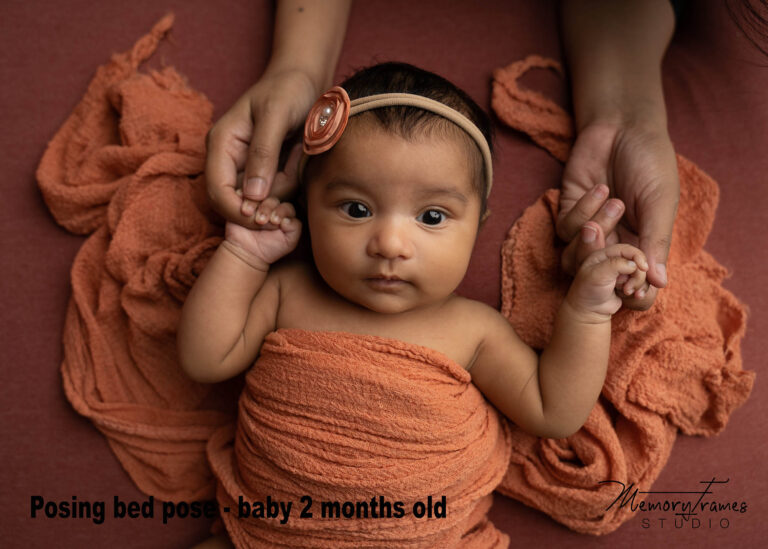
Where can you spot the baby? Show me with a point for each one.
(395, 190)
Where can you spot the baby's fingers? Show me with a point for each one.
(618, 266)
(642, 290)
(265, 210)
(628, 251)
(629, 282)
(641, 300)
(273, 214)
(285, 211)
(603, 270)
(635, 283)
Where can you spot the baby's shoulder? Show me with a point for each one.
(297, 284)
(289, 272)
(472, 319)
(467, 323)
(472, 312)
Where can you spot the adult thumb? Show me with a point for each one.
(263, 155)
(656, 220)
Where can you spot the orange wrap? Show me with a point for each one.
(122, 168)
(347, 417)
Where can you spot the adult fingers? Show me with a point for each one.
(569, 225)
(606, 219)
(592, 234)
(590, 239)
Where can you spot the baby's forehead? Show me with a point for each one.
(427, 129)
(436, 132)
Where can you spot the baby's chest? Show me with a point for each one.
(309, 307)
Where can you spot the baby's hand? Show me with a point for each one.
(602, 275)
(277, 233)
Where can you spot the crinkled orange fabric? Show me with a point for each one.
(676, 367)
(343, 417)
(121, 168)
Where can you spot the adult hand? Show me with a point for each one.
(635, 164)
(249, 138)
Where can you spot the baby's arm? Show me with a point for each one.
(552, 395)
(233, 304)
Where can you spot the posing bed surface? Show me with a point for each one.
(718, 117)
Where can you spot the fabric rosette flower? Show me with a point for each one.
(326, 121)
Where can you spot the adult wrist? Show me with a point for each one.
(622, 105)
(614, 52)
(317, 78)
(308, 38)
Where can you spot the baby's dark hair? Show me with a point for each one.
(409, 122)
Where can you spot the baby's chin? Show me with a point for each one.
(384, 303)
(381, 304)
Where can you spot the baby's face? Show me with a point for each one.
(382, 206)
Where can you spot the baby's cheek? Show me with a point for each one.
(451, 261)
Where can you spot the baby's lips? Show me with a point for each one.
(326, 121)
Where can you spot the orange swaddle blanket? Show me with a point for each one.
(342, 417)
(125, 167)
(120, 168)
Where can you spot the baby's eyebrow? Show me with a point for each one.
(342, 183)
(451, 192)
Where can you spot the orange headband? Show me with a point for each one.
(329, 115)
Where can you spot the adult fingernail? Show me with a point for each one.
(661, 270)
(588, 234)
(255, 187)
(612, 209)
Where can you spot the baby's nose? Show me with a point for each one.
(391, 239)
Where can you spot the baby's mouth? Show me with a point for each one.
(386, 277)
(386, 282)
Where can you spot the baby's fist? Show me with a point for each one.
(276, 234)
(616, 268)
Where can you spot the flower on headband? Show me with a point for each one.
(326, 121)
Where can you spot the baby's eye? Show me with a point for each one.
(432, 217)
(355, 209)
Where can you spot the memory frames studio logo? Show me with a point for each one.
(682, 509)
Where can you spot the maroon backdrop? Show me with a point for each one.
(718, 117)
